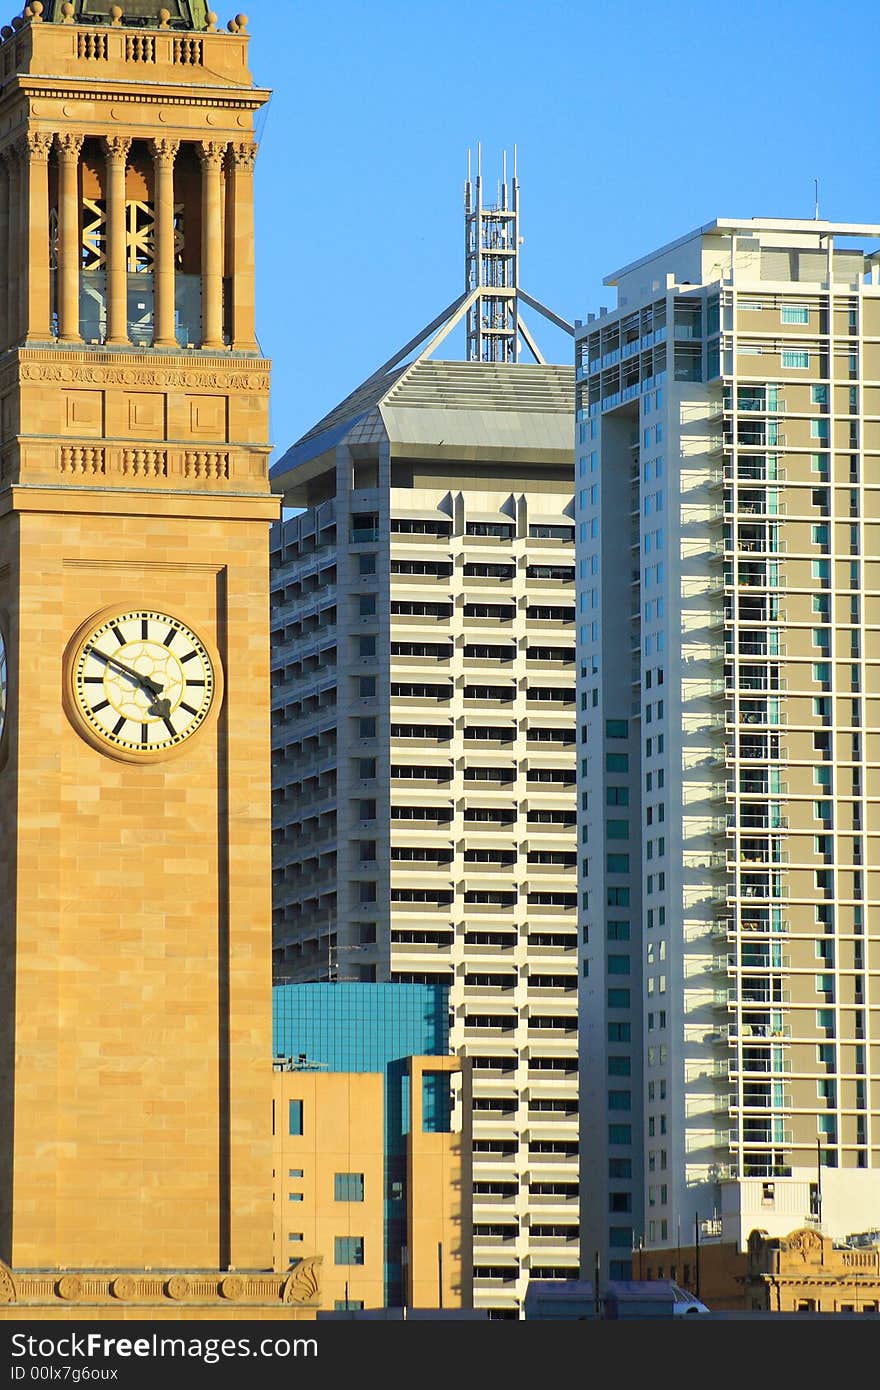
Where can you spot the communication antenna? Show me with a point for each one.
(816, 212)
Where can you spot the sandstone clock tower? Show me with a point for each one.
(135, 987)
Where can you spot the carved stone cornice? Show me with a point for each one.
(224, 377)
(299, 1287)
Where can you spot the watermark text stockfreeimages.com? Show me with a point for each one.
(32, 1355)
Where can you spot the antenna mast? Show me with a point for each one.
(492, 267)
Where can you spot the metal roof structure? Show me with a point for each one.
(492, 405)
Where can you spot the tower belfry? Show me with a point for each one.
(492, 267)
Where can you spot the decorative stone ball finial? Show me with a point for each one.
(232, 26)
(210, 21)
(67, 12)
(17, 21)
(164, 16)
(37, 10)
(115, 15)
(241, 21)
(6, 32)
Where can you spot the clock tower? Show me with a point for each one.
(135, 986)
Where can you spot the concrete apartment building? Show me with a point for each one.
(728, 512)
(424, 732)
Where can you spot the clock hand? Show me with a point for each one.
(152, 687)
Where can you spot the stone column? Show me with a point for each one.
(34, 230)
(241, 210)
(5, 203)
(116, 148)
(164, 152)
(12, 264)
(211, 158)
(69, 237)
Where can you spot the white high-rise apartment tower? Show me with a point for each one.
(728, 515)
(424, 731)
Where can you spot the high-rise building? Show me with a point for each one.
(372, 1161)
(424, 731)
(728, 513)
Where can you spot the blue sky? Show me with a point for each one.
(633, 123)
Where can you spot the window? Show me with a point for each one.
(348, 1250)
(819, 395)
(367, 687)
(367, 565)
(295, 1117)
(795, 313)
(619, 1032)
(617, 829)
(618, 998)
(367, 809)
(343, 1305)
(294, 1196)
(366, 605)
(795, 359)
(618, 965)
(348, 1187)
(616, 728)
(620, 1134)
(617, 863)
(616, 762)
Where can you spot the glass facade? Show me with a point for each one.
(359, 1027)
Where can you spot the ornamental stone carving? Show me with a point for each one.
(303, 1284)
(243, 155)
(8, 1292)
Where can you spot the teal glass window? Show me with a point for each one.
(436, 1102)
(348, 1187)
(295, 1117)
(348, 1250)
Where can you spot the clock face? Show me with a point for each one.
(141, 682)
